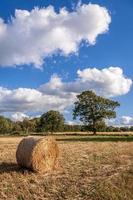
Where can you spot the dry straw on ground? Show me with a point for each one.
(88, 171)
(39, 155)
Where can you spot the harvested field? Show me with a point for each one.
(88, 170)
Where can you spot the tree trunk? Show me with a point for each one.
(27, 131)
(94, 128)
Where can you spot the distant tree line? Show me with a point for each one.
(47, 125)
(92, 111)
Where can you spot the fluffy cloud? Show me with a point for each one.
(25, 99)
(121, 121)
(59, 95)
(18, 116)
(107, 82)
(126, 120)
(74, 123)
(30, 36)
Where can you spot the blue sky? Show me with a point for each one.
(111, 49)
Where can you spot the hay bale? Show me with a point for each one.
(39, 155)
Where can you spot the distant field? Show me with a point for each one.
(89, 170)
(96, 138)
(90, 133)
(80, 137)
(80, 134)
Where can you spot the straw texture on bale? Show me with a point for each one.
(39, 155)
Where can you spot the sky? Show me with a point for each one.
(50, 51)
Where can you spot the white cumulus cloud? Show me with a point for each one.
(27, 99)
(126, 120)
(59, 95)
(108, 81)
(18, 116)
(30, 36)
(121, 121)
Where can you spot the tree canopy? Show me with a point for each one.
(93, 109)
(52, 121)
(5, 125)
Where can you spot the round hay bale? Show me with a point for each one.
(39, 155)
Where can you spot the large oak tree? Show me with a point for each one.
(93, 109)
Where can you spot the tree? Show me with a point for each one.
(100, 126)
(5, 125)
(34, 124)
(72, 128)
(124, 129)
(17, 128)
(131, 128)
(93, 109)
(52, 121)
(26, 126)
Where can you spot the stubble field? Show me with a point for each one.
(87, 171)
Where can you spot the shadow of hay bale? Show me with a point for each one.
(10, 167)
